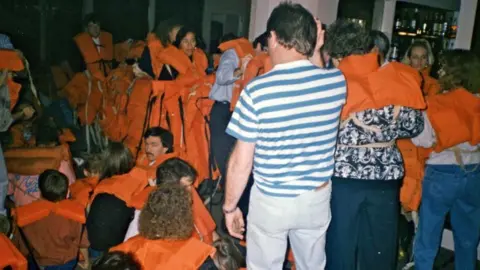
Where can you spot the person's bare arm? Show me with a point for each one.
(316, 58)
(238, 172)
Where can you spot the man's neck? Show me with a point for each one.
(288, 56)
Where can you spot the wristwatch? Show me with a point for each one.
(229, 211)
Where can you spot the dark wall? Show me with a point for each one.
(189, 12)
(476, 33)
(357, 9)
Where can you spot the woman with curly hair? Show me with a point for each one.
(166, 225)
(381, 107)
(451, 182)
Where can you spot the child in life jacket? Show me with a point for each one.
(24, 188)
(82, 189)
(56, 237)
(166, 226)
(452, 175)
(116, 260)
(178, 171)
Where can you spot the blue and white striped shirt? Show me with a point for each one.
(292, 114)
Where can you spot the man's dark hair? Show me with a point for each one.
(53, 185)
(116, 260)
(294, 27)
(90, 18)
(262, 40)
(379, 40)
(174, 169)
(165, 136)
(346, 38)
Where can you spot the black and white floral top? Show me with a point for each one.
(375, 163)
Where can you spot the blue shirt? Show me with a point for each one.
(292, 115)
(5, 42)
(224, 79)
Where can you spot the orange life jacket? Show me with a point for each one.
(414, 163)
(18, 140)
(81, 190)
(455, 117)
(10, 255)
(98, 63)
(155, 47)
(242, 48)
(123, 186)
(10, 60)
(14, 91)
(144, 163)
(204, 223)
(66, 136)
(180, 61)
(128, 50)
(34, 161)
(76, 90)
(40, 209)
(167, 254)
(371, 87)
(259, 65)
(430, 85)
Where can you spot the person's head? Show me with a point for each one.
(4, 225)
(419, 55)
(46, 132)
(93, 165)
(186, 40)
(379, 44)
(292, 33)
(176, 170)
(227, 37)
(167, 31)
(459, 68)
(227, 257)
(345, 38)
(260, 44)
(116, 260)
(53, 185)
(158, 141)
(167, 214)
(92, 25)
(116, 160)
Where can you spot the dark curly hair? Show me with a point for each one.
(344, 38)
(167, 214)
(228, 256)
(460, 69)
(173, 170)
(116, 260)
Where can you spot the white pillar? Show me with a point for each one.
(326, 10)
(383, 16)
(151, 14)
(87, 7)
(466, 23)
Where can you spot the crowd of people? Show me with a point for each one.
(318, 146)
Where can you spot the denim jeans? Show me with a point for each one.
(448, 188)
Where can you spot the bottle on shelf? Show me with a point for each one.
(394, 57)
(445, 27)
(437, 25)
(398, 23)
(426, 25)
(415, 22)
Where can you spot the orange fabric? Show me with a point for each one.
(10, 60)
(259, 65)
(455, 117)
(180, 61)
(76, 90)
(371, 87)
(92, 57)
(430, 85)
(144, 163)
(136, 49)
(10, 255)
(14, 90)
(128, 50)
(242, 48)
(18, 140)
(203, 220)
(66, 136)
(139, 199)
(123, 186)
(81, 190)
(155, 47)
(414, 163)
(40, 209)
(216, 60)
(167, 254)
(34, 161)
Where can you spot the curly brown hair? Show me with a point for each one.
(167, 214)
(460, 69)
(345, 38)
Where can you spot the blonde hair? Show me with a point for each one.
(420, 43)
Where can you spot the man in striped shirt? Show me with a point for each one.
(286, 123)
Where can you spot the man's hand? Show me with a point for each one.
(235, 223)
(320, 35)
(244, 62)
(28, 112)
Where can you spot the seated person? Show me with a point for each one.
(116, 260)
(175, 170)
(166, 226)
(82, 189)
(158, 142)
(56, 237)
(24, 188)
(109, 215)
